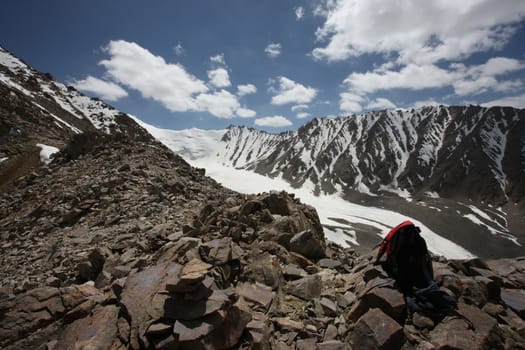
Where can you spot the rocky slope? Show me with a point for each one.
(119, 243)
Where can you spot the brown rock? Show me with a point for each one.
(515, 299)
(333, 345)
(422, 322)
(306, 288)
(277, 203)
(390, 300)
(218, 251)
(98, 331)
(485, 327)
(306, 344)
(137, 299)
(376, 330)
(308, 245)
(265, 269)
(453, 333)
(256, 292)
(285, 323)
(159, 328)
(179, 308)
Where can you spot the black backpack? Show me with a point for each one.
(408, 262)
(407, 258)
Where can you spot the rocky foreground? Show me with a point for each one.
(118, 243)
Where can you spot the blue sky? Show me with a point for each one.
(275, 64)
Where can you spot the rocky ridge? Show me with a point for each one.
(255, 272)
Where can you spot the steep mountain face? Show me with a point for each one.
(35, 109)
(456, 152)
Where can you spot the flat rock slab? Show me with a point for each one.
(515, 299)
(256, 292)
(453, 333)
(140, 299)
(306, 288)
(376, 330)
(98, 331)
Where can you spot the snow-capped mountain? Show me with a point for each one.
(39, 114)
(471, 153)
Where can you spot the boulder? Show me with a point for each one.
(97, 331)
(485, 327)
(515, 299)
(277, 203)
(306, 288)
(308, 245)
(217, 251)
(179, 308)
(257, 293)
(453, 333)
(265, 269)
(376, 330)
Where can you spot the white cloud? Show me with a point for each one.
(288, 91)
(351, 102)
(106, 90)
(417, 32)
(170, 84)
(221, 104)
(464, 80)
(299, 12)
(512, 101)
(179, 50)
(219, 77)
(410, 77)
(246, 89)
(299, 107)
(167, 83)
(381, 103)
(219, 59)
(303, 115)
(276, 121)
(481, 78)
(245, 113)
(273, 49)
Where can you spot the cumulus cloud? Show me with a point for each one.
(276, 121)
(245, 113)
(417, 32)
(246, 89)
(303, 115)
(299, 107)
(465, 80)
(299, 12)
(288, 91)
(512, 101)
(380, 103)
(137, 68)
(219, 77)
(412, 76)
(169, 83)
(273, 50)
(221, 104)
(105, 89)
(351, 102)
(219, 59)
